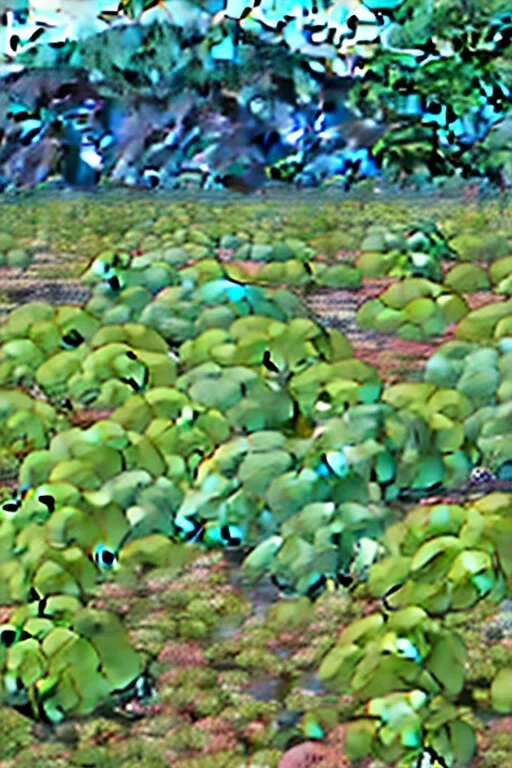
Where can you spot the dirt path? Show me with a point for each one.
(21, 286)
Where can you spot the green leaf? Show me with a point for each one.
(501, 691)
(291, 614)
(359, 738)
(106, 633)
(262, 557)
(432, 560)
(469, 562)
(407, 618)
(463, 739)
(430, 470)
(400, 294)
(384, 575)
(446, 662)
(362, 628)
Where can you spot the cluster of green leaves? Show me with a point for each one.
(481, 374)
(410, 148)
(406, 663)
(415, 309)
(232, 410)
(417, 252)
(66, 659)
(173, 452)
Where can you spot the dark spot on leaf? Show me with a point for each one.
(114, 283)
(8, 637)
(73, 338)
(267, 362)
(316, 587)
(30, 136)
(11, 506)
(344, 580)
(48, 501)
(131, 383)
(64, 90)
(37, 34)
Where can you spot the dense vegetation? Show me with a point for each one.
(415, 93)
(193, 403)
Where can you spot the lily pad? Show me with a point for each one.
(480, 247)
(501, 691)
(400, 294)
(467, 278)
(479, 324)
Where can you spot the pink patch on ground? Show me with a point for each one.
(88, 416)
(388, 354)
(481, 298)
(370, 607)
(284, 640)
(222, 735)
(291, 639)
(100, 605)
(10, 483)
(217, 568)
(187, 654)
(371, 287)
(135, 707)
(502, 724)
(326, 754)
(156, 586)
(5, 613)
(431, 500)
(301, 756)
(447, 334)
(116, 590)
(224, 254)
(255, 732)
(170, 678)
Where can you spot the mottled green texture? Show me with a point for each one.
(302, 453)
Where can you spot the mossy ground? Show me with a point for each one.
(234, 668)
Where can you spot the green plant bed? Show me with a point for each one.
(467, 278)
(483, 247)
(415, 309)
(501, 275)
(416, 252)
(187, 413)
(482, 324)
